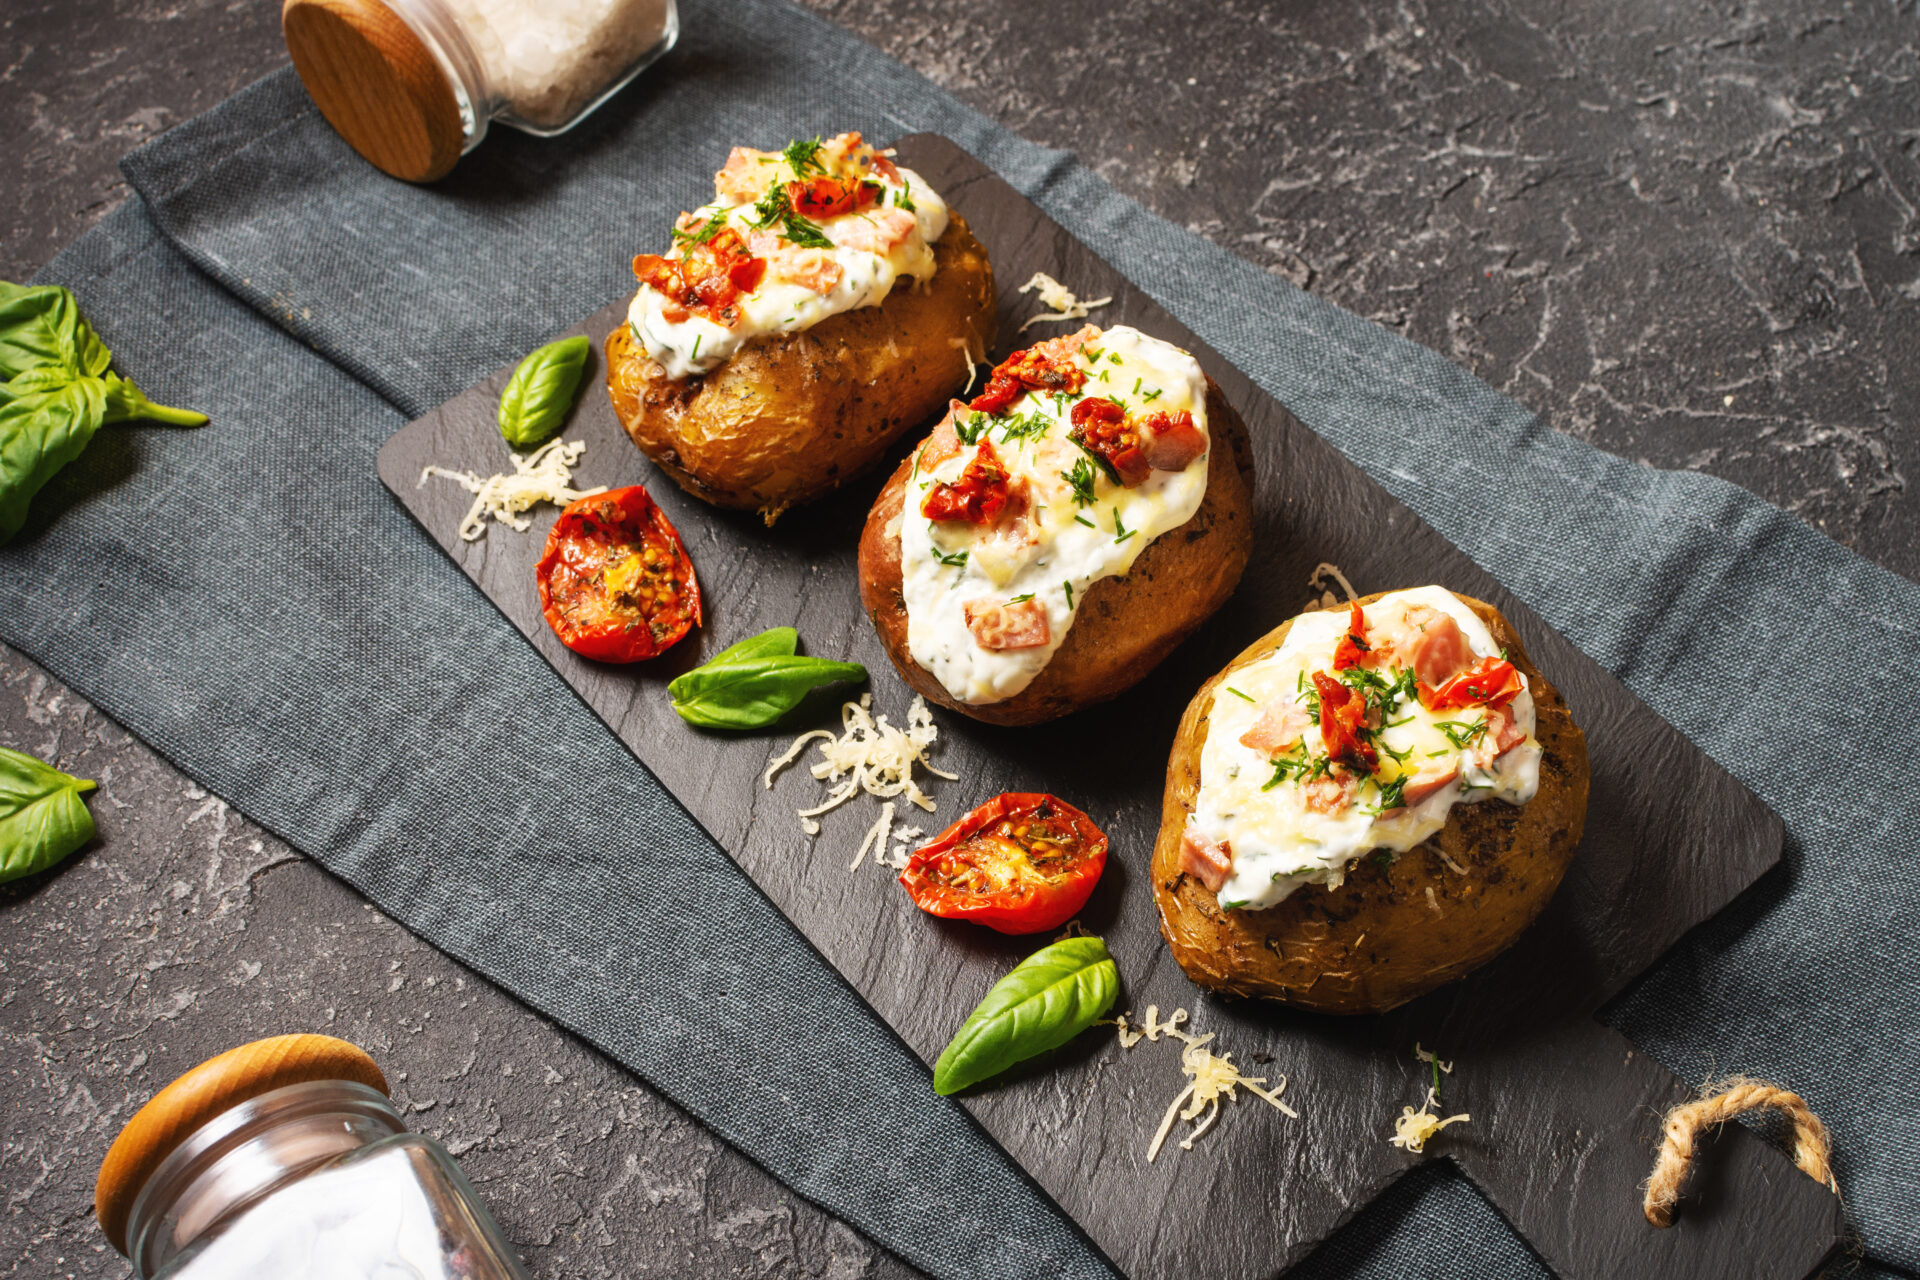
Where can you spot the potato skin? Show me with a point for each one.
(1125, 625)
(1376, 942)
(794, 415)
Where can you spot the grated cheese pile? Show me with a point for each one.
(545, 475)
(1212, 1076)
(871, 755)
(1059, 298)
(1414, 1129)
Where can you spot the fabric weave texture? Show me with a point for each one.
(249, 600)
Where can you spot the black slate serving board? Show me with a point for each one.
(1565, 1112)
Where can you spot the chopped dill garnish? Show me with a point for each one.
(1080, 478)
(803, 156)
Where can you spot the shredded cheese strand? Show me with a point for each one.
(545, 475)
(1414, 1129)
(1318, 581)
(1057, 296)
(1212, 1076)
(876, 836)
(869, 755)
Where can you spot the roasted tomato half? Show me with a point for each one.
(615, 581)
(1022, 862)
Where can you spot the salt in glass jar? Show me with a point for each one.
(413, 84)
(284, 1158)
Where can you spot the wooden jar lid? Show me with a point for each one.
(203, 1093)
(377, 84)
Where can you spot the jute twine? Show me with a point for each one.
(1687, 1122)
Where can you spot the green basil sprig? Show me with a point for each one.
(754, 683)
(1049, 998)
(55, 392)
(541, 390)
(42, 818)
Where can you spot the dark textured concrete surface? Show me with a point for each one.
(1689, 233)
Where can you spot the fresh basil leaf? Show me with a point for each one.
(42, 818)
(754, 692)
(780, 642)
(1049, 998)
(41, 327)
(39, 434)
(541, 390)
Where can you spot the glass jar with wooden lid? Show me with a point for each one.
(413, 84)
(285, 1158)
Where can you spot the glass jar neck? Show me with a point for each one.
(459, 61)
(245, 1153)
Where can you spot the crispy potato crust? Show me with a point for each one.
(793, 416)
(1124, 625)
(1388, 934)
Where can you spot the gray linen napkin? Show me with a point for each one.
(247, 599)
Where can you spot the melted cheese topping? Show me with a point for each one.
(863, 264)
(1280, 840)
(1065, 544)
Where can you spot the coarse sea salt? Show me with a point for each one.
(547, 60)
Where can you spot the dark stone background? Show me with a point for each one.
(1689, 233)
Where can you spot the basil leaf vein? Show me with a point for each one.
(42, 818)
(542, 389)
(1049, 998)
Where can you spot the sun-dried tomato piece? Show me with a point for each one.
(1101, 428)
(981, 495)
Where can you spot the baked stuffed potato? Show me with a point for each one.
(1368, 802)
(1054, 539)
(824, 304)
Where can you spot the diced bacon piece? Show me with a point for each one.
(1503, 733)
(762, 243)
(746, 174)
(1424, 784)
(1172, 440)
(944, 443)
(1436, 649)
(1281, 724)
(876, 231)
(812, 269)
(1330, 793)
(1205, 861)
(1064, 347)
(998, 626)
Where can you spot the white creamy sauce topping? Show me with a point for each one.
(1279, 841)
(1068, 545)
(776, 305)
